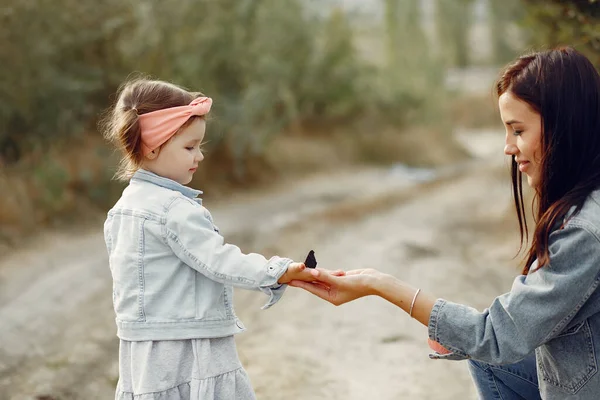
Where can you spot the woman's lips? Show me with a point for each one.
(523, 165)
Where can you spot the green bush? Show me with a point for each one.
(565, 22)
(269, 65)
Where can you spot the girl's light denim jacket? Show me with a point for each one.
(554, 311)
(173, 275)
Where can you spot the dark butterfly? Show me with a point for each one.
(311, 261)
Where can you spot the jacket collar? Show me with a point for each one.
(147, 176)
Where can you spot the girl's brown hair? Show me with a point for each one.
(563, 86)
(134, 98)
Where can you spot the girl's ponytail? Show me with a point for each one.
(131, 137)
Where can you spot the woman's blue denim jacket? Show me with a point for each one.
(172, 273)
(554, 311)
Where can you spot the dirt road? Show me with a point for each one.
(452, 236)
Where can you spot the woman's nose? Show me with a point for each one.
(510, 149)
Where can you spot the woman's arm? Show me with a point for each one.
(538, 307)
(365, 282)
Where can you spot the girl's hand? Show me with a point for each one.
(299, 272)
(338, 289)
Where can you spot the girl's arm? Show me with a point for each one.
(191, 235)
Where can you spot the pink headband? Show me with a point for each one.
(159, 126)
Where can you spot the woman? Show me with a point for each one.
(541, 339)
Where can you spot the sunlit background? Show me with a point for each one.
(335, 124)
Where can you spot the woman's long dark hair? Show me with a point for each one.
(563, 86)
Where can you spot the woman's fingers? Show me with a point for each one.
(321, 284)
(316, 289)
(355, 272)
(325, 276)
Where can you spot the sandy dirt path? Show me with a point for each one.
(452, 236)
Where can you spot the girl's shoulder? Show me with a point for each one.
(185, 208)
(178, 200)
(152, 200)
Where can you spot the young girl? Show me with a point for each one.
(541, 339)
(173, 275)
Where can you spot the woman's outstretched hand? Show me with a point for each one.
(364, 282)
(338, 289)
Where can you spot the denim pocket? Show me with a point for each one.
(568, 361)
(210, 299)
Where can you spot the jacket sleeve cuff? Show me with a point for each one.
(276, 268)
(275, 293)
(436, 329)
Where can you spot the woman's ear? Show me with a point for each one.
(153, 154)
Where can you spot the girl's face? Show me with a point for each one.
(523, 136)
(179, 157)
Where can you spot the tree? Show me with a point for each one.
(453, 20)
(565, 22)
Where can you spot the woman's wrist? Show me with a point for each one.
(402, 294)
(388, 286)
(376, 285)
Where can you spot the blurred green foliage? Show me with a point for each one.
(271, 66)
(515, 25)
(454, 19)
(267, 63)
(506, 17)
(565, 22)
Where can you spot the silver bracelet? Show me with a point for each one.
(413, 302)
